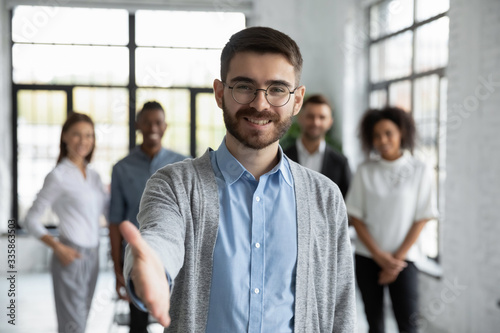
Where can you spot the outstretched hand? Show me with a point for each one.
(148, 275)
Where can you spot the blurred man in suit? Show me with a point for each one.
(311, 150)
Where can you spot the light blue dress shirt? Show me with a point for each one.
(255, 255)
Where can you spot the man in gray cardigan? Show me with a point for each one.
(242, 239)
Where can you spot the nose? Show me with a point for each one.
(260, 101)
(384, 139)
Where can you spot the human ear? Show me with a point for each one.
(298, 98)
(218, 92)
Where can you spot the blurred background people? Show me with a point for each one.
(77, 196)
(128, 181)
(390, 200)
(311, 150)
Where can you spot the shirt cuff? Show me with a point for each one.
(133, 297)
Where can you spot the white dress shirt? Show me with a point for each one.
(389, 196)
(78, 202)
(312, 161)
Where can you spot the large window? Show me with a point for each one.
(108, 70)
(408, 59)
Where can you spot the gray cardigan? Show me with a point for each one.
(179, 218)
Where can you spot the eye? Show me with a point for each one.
(277, 89)
(244, 87)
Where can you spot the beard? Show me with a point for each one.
(255, 139)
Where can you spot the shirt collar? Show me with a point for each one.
(302, 149)
(139, 151)
(397, 162)
(66, 161)
(232, 169)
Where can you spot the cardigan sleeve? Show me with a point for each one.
(161, 224)
(345, 314)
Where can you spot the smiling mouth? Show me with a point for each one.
(258, 122)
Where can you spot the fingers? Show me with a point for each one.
(387, 277)
(160, 311)
(398, 264)
(129, 232)
(77, 254)
(121, 290)
(67, 254)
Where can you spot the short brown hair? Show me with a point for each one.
(73, 118)
(317, 99)
(403, 120)
(261, 40)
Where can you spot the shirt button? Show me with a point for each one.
(257, 199)
(257, 245)
(256, 290)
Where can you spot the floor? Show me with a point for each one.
(35, 310)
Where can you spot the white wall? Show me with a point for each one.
(467, 298)
(318, 28)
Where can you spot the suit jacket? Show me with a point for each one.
(335, 166)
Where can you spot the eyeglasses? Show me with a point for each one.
(277, 94)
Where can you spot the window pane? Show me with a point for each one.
(210, 129)
(429, 8)
(63, 64)
(391, 58)
(431, 50)
(400, 95)
(108, 108)
(70, 25)
(390, 16)
(426, 98)
(378, 99)
(177, 67)
(40, 118)
(176, 103)
(176, 28)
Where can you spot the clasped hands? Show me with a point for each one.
(390, 265)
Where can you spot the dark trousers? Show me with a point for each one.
(403, 292)
(138, 320)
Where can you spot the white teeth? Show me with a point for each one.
(259, 122)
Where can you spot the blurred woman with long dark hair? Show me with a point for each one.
(77, 196)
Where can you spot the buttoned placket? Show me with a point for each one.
(257, 260)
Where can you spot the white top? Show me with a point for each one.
(78, 202)
(312, 161)
(389, 196)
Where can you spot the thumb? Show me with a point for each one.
(133, 237)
